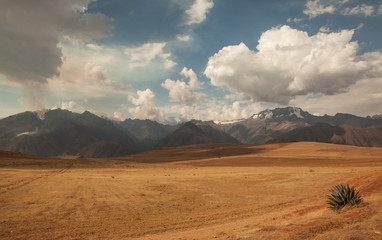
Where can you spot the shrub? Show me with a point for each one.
(341, 195)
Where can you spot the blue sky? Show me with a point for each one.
(175, 60)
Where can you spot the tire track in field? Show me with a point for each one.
(26, 181)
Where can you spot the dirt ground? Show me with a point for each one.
(224, 191)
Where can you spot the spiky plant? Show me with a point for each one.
(341, 195)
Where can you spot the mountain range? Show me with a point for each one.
(61, 132)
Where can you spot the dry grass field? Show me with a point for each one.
(223, 191)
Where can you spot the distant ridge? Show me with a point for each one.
(274, 124)
(61, 132)
(344, 134)
(195, 133)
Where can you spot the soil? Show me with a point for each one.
(275, 191)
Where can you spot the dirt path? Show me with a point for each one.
(188, 200)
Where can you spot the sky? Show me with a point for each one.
(176, 60)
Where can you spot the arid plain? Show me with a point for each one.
(225, 191)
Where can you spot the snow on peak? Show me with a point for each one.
(279, 112)
(268, 115)
(228, 121)
(297, 112)
(41, 113)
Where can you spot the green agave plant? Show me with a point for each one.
(341, 195)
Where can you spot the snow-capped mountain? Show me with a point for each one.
(229, 121)
(273, 123)
(287, 112)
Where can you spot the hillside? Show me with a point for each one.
(61, 132)
(281, 122)
(194, 133)
(146, 132)
(343, 134)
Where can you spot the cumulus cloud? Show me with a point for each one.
(145, 54)
(181, 91)
(119, 116)
(145, 106)
(146, 112)
(146, 97)
(198, 11)
(289, 63)
(315, 8)
(30, 33)
(194, 82)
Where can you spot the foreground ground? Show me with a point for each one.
(199, 192)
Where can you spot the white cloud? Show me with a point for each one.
(290, 63)
(95, 47)
(296, 20)
(198, 11)
(213, 110)
(364, 98)
(70, 106)
(145, 106)
(119, 116)
(184, 38)
(315, 8)
(77, 108)
(147, 112)
(363, 9)
(145, 54)
(181, 91)
(194, 82)
(324, 29)
(82, 80)
(146, 97)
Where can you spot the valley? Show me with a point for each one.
(209, 191)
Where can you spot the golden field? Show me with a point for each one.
(225, 191)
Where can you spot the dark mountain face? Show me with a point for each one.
(59, 132)
(288, 113)
(344, 134)
(146, 132)
(190, 133)
(278, 123)
(320, 132)
(267, 125)
(62, 132)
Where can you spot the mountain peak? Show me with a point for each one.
(288, 112)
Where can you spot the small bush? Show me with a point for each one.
(341, 195)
